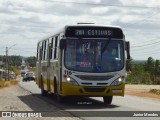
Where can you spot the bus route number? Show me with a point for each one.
(67, 72)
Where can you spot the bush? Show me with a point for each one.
(155, 91)
(8, 83)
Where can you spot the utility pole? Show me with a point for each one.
(6, 64)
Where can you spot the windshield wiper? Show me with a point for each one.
(105, 46)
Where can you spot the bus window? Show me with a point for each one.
(52, 48)
(55, 49)
(46, 50)
(58, 40)
(38, 51)
(94, 55)
(42, 50)
(39, 46)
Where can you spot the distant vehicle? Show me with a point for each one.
(29, 76)
(12, 75)
(23, 67)
(23, 72)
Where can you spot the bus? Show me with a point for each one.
(83, 60)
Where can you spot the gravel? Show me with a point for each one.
(15, 98)
(142, 87)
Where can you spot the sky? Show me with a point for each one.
(24, 22)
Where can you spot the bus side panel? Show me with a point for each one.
(44, 75)
(37, 74)
(51, 78)
(54, 75)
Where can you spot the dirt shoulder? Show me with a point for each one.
(142, 91)
(14, 98)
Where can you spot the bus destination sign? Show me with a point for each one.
(95, 32)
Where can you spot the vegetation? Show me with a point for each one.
(13, 60)
(144, 73)
(31, 61)
(17, 60)
(33, 69)
(7, 83)
(155, 91)
(16, 70)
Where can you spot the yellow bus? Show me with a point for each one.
(83, 60)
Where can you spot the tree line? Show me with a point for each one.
(17, 60)
(143, 73)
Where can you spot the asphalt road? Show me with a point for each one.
(91, 108)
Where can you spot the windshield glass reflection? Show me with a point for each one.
(94, 55)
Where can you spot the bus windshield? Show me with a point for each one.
(94, 55)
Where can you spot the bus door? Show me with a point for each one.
(48, 68)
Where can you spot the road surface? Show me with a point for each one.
(90, 107)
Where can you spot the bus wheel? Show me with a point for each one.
(107, 100)
(44, 92)
(55, 86)
(60, 98)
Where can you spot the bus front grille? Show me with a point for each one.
(94, 78)
(94, 89)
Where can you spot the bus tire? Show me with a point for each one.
(107, 100)
(55, 86)
(43, 92)
(60, 98)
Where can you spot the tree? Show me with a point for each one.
(157, 72)
(13, 60)
(31, 61)
(147, 73)
(149, 65)
(157, 68)
(138, 75)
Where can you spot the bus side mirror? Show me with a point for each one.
(62, 44)
(127, 47)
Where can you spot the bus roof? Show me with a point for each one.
(78, 25)
(94, 25)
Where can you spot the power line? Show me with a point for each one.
(140, 43)
(145, 19)
(144, 51)
(20, 50)
(144, 45)
(147, 53)
(103, 4)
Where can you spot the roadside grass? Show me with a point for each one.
(7, 83)
(16, 70)
(155, 91)
(32, 69)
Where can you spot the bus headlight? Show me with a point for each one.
(71, 81)
(118, 81)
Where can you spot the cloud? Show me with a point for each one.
(25, 22)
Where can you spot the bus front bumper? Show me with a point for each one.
(92, 91)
